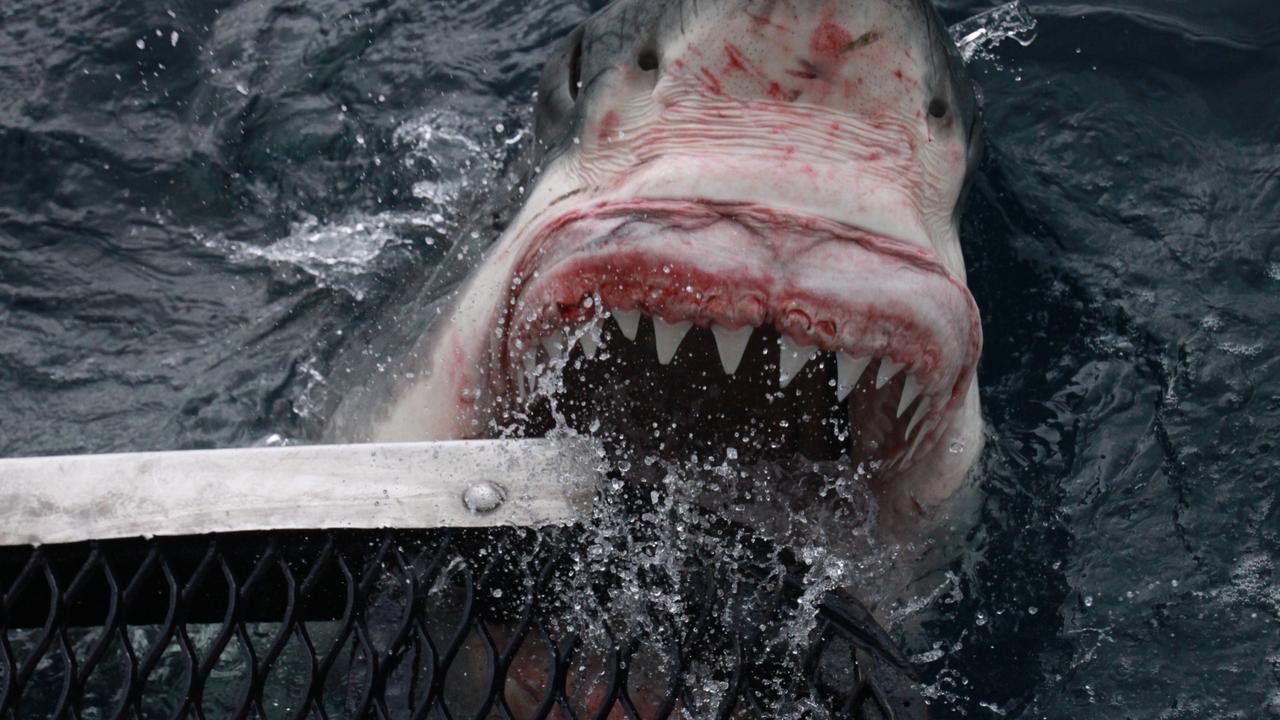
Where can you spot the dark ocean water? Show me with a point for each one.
(219, 217)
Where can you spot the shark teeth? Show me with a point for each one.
(918, 416)
(731, 344)
(849, 371)
(628, 322)
(553, 343)
(888, 369)
(910, 391)
(792, 358)
(529, 364)
(668, 336)
(915, 444)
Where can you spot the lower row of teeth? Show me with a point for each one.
(731, 345)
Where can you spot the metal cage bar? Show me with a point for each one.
(445, 623)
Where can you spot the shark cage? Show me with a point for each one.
(432, 580)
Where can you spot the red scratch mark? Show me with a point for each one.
(777, 93)
(806, 71)
(736, 61)
(608, 126)
(713, 82)
(761, 20)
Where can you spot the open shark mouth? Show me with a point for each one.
(697, 327)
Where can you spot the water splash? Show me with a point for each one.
(660, 523)
(1253, 583)
(980, 34)
(342, 255)
(450, 158)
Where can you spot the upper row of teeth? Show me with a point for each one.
(732, 344)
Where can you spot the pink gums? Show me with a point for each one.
(570, 261)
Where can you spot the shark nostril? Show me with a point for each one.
(937, 107)
(647, 59)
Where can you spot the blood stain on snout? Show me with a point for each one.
(830, 39)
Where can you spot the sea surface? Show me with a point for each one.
(219, 217)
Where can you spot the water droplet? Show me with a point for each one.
(142, 44)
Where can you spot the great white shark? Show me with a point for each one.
(744, 232)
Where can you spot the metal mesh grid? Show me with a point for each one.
(435, 624)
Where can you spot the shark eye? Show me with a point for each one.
(575, 70)
(647, 59)
(937, 107)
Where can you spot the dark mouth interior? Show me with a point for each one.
(626, 398)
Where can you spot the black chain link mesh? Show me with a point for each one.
(423, 624)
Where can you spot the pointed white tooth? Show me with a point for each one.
(628, 322)
(530, 363)
(792, 357)
(849, 371)
(668, 336)
(914, 446)
(910, 391)
(918, 416)
(888, 369)
(589, 344)
(731, 344)
(554, 344)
